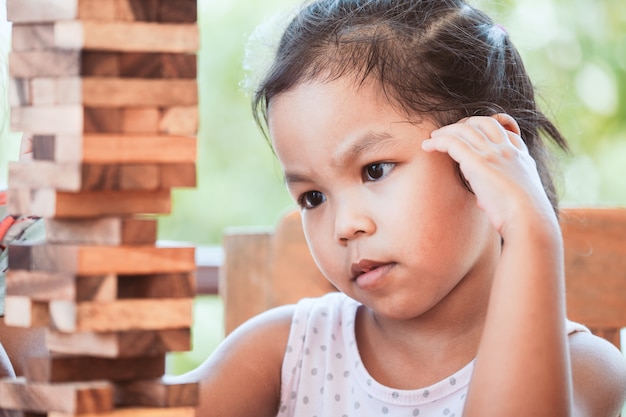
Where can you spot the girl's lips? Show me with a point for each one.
(367, 273)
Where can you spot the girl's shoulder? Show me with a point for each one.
(598, 374)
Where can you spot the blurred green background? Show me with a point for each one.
(575, 51)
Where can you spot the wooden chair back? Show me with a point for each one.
(267, 268)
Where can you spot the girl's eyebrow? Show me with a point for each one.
(294, 177)
(369, 142)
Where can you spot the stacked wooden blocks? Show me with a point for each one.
(108, 91)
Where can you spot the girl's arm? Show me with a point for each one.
(524, 365)
(242, 377)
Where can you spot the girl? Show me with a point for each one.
(409, 136)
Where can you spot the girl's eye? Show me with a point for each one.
(374, 172)
(311, 199)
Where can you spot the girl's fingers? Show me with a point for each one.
(475, 137)
(460, 150)
(485, 131)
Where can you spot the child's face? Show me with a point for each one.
(387, 223)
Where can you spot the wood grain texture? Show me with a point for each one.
(44, 63)
(125, 344)
(19, 92)
(74, 176)
(127, 36)
(180, 285)
(41, 10)
(50, 203)
(100, 97)
(116, 148)
(76, 398)
(44, 120)
(180, 11)
(32, 37)
(102, 260)
(123, 315)
(122, 92)
(102, 231)
(40, 286)
(29, 60)
(71, 368)
(48, 286)
(23, 312)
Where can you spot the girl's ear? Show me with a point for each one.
(508, 122)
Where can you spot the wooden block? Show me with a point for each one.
(137, 10)
(132, 176)
(126, 36)
(47, 119)
(86, 204)
(102, 120)
(97, 9)
(100, 63)
(124, 92)
(179, 11)
(119, 344)
(179, 66)
(178, 175)
(65, 368)
(181, 285)
(43, 92)
(141, 65)
(19, 92)
(102, 260)
(179, 121)
(32, 37)
(41, 286)
(41, 10)
(103, 231)
(138, 412)
(45, 174)
(96, 288)
(73, 176)
(122, 315)
(140, 120)
(48, 286)
(45, 63)
(75, 398)
(115, 149)
(157, 65)
(23, 312)
(108, 92)
(156, 393)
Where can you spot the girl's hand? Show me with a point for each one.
(495, 161)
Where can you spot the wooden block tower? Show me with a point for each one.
(108, 91)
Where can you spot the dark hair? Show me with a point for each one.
(442, 58)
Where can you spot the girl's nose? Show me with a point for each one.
(351, 222)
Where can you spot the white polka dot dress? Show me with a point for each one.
(322, 373)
